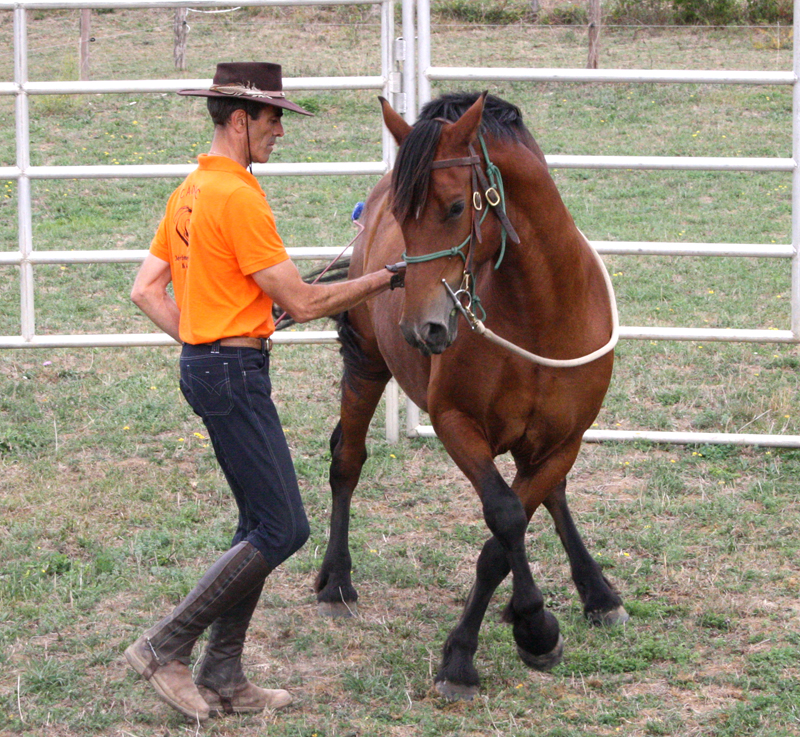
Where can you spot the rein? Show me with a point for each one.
(478, 326)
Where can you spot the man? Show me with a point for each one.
(219, 247)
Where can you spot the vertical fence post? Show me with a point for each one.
(424, 53)
(387, 67)
(180, 29)
(86, 34)
(409, 62)
(796, 176)
(594, 34)
(24, 219)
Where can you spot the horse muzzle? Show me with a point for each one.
(430, 338)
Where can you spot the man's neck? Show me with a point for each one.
(223, 144)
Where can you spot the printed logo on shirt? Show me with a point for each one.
(181, 220)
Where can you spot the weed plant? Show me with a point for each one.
(111, 503)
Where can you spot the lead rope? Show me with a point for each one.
(478, 326)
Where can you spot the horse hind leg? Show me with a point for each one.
(362, 387)
(602, 605)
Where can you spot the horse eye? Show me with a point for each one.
(455, 209)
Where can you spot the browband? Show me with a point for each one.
(466, 161)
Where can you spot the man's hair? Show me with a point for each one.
(221, 108)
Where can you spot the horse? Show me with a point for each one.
(533, 277)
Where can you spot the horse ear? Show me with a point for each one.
(466, 127)
(396, 125)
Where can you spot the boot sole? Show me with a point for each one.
(140, 667)
(217, 710)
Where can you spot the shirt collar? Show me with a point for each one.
(208, 162)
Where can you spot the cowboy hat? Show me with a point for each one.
(258, 81)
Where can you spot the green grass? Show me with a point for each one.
(111, 503)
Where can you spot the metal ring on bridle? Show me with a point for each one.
(492, 191)
(477, 202)
(468, 304)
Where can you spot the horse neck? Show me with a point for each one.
(548, 281)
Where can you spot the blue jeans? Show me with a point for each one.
(230, 389)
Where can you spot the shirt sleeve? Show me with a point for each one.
(255, 238)
(160, 246)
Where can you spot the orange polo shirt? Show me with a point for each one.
(217, 231)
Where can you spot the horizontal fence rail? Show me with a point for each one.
(426, 73)
(140, 4)
(127, 86)
(613, 76)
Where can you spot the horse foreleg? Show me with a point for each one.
(536, 631)
(336, 595)
(601, 603)
(457, 677)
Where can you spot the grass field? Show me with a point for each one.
(111, 503)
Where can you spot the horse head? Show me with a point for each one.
(433, 200)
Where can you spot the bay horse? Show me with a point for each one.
(543, 291)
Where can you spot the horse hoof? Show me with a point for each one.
(456, 691)
(610, 618)
(337, 609)
(546, 661)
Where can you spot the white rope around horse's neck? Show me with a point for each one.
(481, 329)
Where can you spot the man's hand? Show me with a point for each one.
(398, 271)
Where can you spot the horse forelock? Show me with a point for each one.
(412, 170)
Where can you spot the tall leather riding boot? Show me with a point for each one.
(161, 655)
(220, 678)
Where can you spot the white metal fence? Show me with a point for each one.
(409, 89)
(427, 73)
(26, 257)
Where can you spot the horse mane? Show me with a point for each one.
(412, 169)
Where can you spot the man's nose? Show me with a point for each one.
(279, 129)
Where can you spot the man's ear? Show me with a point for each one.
(238, 119)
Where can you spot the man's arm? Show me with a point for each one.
(305, 302)
(150, 295)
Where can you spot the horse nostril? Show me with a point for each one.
(435, 335)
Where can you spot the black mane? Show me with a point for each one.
(412, 170)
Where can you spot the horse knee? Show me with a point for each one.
(504, 513)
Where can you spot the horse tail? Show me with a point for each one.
(357, 364)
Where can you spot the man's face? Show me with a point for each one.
(264, 132)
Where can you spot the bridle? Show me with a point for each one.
(488, 189)
(464, 299)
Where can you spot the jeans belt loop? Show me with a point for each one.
(215, 347)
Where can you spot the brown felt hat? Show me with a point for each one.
(258, 81)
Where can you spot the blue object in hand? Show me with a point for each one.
(357, 210)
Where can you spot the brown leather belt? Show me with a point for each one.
(260, 344)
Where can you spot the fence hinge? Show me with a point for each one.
(399, 49)
(396, 88)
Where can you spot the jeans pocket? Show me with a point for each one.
(209, 388)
